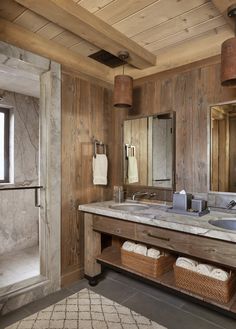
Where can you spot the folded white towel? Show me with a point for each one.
(219, 274)
(132, 170)
(128, 245)
(153, 253)
(187, 263)
(204, 269)
(100, 166)
(140, 249)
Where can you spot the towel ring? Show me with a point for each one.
(99, 143)
(131, 148)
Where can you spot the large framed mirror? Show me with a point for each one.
(223, 147)
(149, 151)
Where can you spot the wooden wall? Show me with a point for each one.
(189, 91)
(232, 150)
(86, 113)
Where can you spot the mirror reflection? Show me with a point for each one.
(148, 151)
(223, 148)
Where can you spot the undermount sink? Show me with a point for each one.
(129, 207)
(226, 223)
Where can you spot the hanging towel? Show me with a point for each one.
(132, 170)
(100, 165)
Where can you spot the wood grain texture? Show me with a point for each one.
(200, 247)
(21, 37)
(114, 227)
(216, 251)
(92, 247)
(203, 13)
(86, 112)
(150, 15)
(82, 23)
(189, 93)
(222, 6)
(232, 148)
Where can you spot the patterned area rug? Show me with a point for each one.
(86, 310)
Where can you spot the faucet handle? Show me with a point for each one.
(231, 204)
(152, 194)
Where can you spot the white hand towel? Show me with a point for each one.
(132, 170)
(153, 253)
(128, 245)
(100, 165)
(140, 249)
(204, 269)
(219, 274)
(187, 263)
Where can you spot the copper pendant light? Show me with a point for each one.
(123, 86)
(228, 56)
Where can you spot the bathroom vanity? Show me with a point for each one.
(153, 226)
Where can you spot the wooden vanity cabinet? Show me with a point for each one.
(216, 251)
(207, 249)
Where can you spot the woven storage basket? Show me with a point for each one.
(147, 265)
(205, 286)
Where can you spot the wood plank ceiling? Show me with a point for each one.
(177, 32)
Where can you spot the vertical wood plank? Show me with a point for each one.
(92, 247)
(86, 113)
(189, 93)
(232, 150)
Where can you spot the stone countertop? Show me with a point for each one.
(163, 219)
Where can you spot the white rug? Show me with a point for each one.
(86, 310)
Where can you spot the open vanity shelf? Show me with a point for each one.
(209, 250)
(111, 257)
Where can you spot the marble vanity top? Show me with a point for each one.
(163, 219)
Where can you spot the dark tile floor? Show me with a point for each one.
(169, 310)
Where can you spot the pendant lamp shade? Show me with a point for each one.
(228, 56)
(123, 91)
(228, 63)
(123, 86)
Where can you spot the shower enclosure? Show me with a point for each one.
(19, 174)
(30, 178)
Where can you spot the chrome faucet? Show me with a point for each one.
(231, 204)
(140, 193)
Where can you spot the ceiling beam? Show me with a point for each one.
(222, 6)
(22, 38)
(191, 50)
(76, 19)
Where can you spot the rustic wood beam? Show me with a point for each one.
(201, 47)
(20, 37)
(76, 19)
(222, 6)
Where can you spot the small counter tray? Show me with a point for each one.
(189, 213)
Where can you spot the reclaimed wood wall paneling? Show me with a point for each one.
(86, 113)
(189, 93)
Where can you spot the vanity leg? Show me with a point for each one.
(93, 281)
(92, 249)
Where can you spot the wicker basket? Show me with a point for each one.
(147, 265)
(205, 286)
